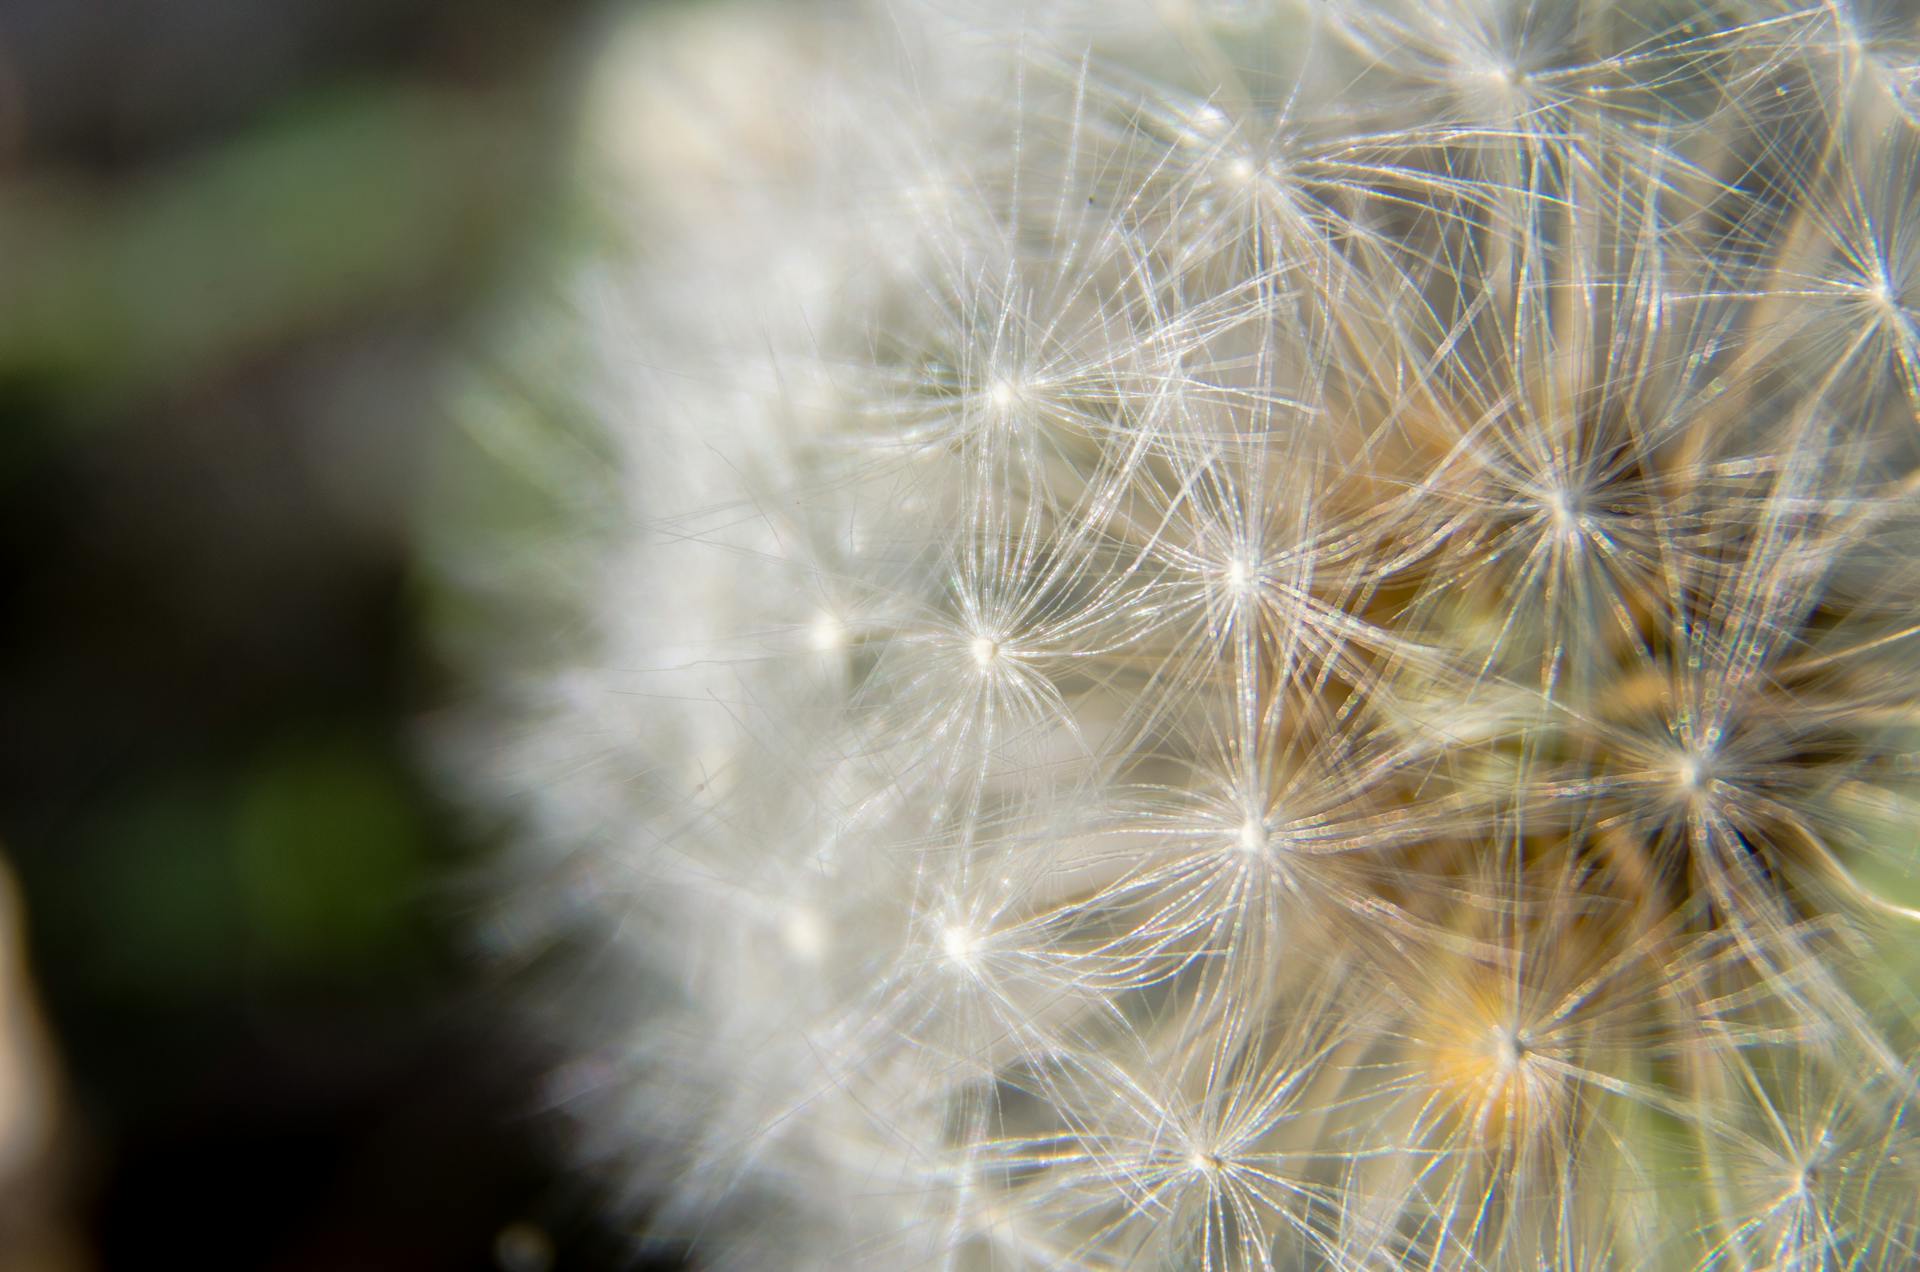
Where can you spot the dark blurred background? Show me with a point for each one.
(239, 240)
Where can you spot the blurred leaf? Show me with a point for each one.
(329, 856)
(161, 910)
(352, 200)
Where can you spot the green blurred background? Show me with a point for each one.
(240, 241)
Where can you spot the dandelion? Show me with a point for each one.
(1247, 636)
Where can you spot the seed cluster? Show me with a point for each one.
(1263, 636)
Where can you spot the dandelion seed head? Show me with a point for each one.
(1367, 570)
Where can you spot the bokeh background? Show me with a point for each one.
(240, 242)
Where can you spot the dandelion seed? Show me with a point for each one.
(805, 934)
(1239, 577)
(1692, 772)
(826, 634)
(1509, 1048)
(1566, 519)
(958, 944)
(1209, 119)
